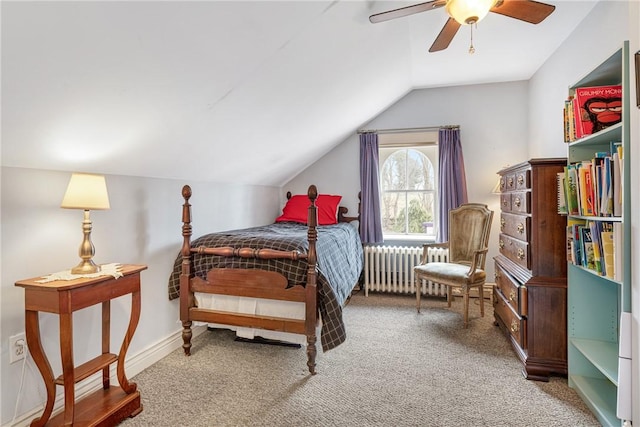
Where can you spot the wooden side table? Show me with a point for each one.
(111, 404)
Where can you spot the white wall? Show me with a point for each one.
(143, 226)
(493, 132)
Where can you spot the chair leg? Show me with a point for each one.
(449, 296)
(418, 292)
(481, 294)
(466, 307)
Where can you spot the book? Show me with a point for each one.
(596, 228)
(568, 120)
(606, 237)
(571, 191)
(561, 194)
(585, 188)
(618, 248)
(617, 185)
(599, 107)
(606, 186)
(576, 116)
(574, 240)
(586, 242)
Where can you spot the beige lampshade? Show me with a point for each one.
(86, 191)
(468, 11)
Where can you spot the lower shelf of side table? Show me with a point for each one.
(103, 408)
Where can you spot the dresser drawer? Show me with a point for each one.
(515, 225)
(520, 202)
(505, 202)
(509, 288)
(509, 182)
(523, 180)
(514, 249)
(516, 325)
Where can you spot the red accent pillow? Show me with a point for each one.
(296, 209)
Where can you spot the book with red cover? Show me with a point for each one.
(599, 107)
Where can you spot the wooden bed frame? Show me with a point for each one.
(252, 283)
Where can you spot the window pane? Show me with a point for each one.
(420, 175)
(421, 215)
(393, 213)
(393, 175)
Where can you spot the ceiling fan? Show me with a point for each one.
(468, 12)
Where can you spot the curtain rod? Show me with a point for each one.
(423, 129)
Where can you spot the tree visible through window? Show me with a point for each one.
(408, 187)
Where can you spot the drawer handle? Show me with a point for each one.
(501, 243)
(514, 326)
(520, 254)
(520, 179)
(510, 182)
(517, 201)
(512, 295)
(520, 228)
(502, 223)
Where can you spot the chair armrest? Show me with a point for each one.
(444, 245)
(478, 260)
(427, 246)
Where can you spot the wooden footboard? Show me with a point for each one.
(250, 283)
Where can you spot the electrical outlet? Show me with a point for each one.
(17, 347)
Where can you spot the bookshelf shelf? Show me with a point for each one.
(599, 395)
(594, 273)
(602, 354)
(595, 139)
(596, 302)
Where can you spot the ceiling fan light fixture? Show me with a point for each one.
(467, 12)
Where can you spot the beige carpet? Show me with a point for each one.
(397, 368)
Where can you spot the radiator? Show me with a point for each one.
(390, 269)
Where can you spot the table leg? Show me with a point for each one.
(106, 339)
(129, 387)
(34, 343)
(66, 352)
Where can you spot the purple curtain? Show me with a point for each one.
(452, 180)
(370, 222)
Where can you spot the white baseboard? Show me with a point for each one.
(133, 366)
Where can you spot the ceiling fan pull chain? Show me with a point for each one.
(472, 49)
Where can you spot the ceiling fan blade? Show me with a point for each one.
(405, 11)
(446, 35)
(525, 10)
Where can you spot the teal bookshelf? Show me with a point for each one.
(595, 302)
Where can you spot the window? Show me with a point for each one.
(409, 189)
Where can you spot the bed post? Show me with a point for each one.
(311, 318)
(186, 296)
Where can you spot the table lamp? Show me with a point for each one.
(86, 191)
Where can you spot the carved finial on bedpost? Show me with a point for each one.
(312, 193)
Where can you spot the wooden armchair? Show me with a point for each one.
(469, 227)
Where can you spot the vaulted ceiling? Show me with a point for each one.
(249, 91)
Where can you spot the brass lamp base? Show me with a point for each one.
(86, 252)
(85, 267)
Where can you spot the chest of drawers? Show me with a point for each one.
(530, 296)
